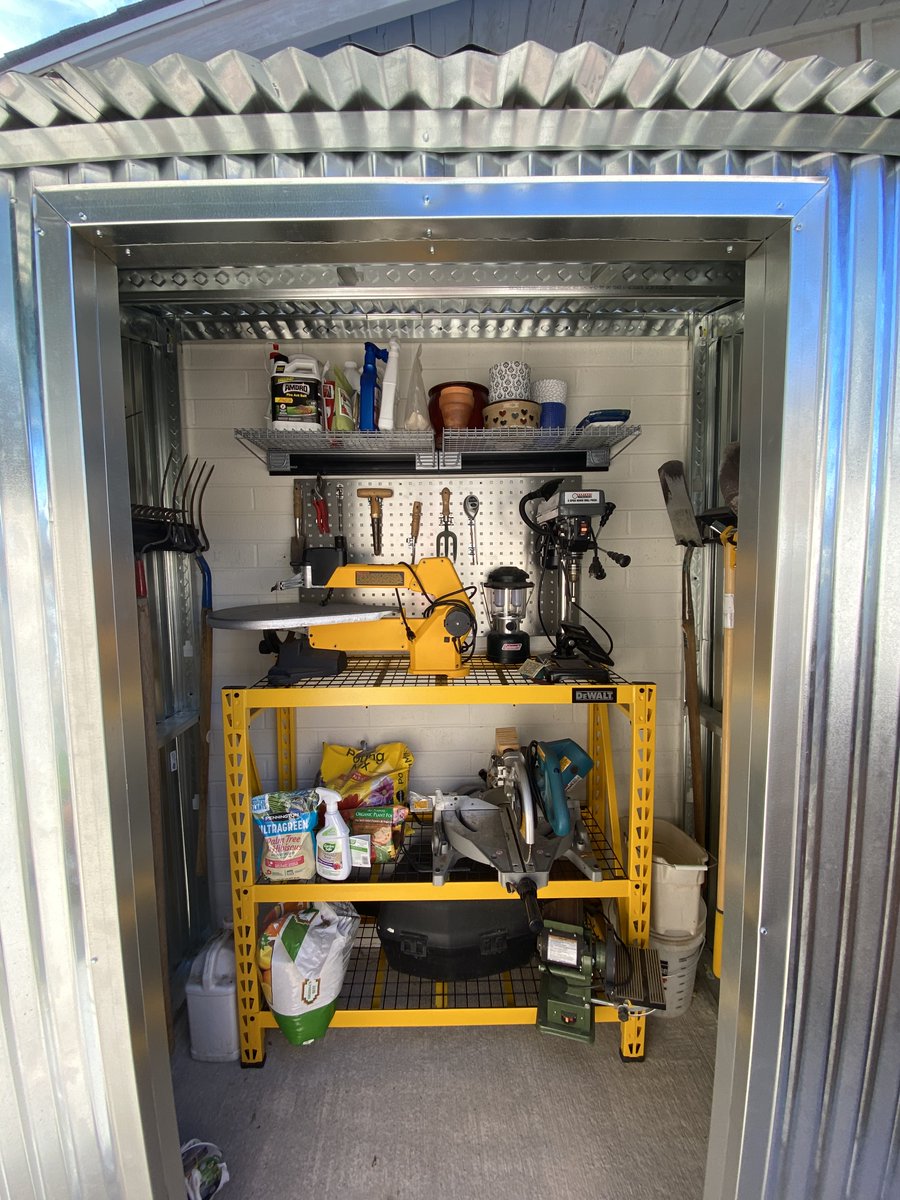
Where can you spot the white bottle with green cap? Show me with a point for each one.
(333, 841)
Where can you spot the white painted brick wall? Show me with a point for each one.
(248, 518)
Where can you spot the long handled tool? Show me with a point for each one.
(154, 781)
(414, 530)
(687, 534)
(729, 544)
(298, 540)
(445, 546)
(375, 496)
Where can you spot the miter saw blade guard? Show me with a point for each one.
(507, 827)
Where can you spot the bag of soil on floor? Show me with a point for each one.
(376, 776)
(302, 957)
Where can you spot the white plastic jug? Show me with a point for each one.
(211, 1003)
(296, 394)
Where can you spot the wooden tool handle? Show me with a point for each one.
(445, 502)
(374, 493)
(416, 518)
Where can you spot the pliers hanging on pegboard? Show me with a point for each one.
(320, 502)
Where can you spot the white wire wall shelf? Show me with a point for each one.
(305, 452)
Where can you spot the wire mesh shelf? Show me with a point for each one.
(392, 671)
(422, 445)
(371, 983)
(507, 440)
(414, 860)
(354, 441)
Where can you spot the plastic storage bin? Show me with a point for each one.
(678, 956)
(679, 866)
(211, 1002)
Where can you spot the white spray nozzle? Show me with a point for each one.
(329, 798)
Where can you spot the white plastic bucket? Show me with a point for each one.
(678, 956)
(211, 1002)
(678, 868)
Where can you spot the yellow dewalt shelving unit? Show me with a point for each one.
(374, 995)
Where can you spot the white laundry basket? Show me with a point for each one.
(211, 1002)
(678, 870)
(679, 955)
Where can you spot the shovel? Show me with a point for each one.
(687, 534)
(445, 547)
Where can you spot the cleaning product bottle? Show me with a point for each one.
(354, 377)
(389, 386)
(333, 840)
(274, 360)
(345, 393)
(297, 394)
(367, 387)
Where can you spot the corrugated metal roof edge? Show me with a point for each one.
(530, 76)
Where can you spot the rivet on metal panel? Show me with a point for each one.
(128, 252)
(428, 233)
(426, 200)
(729, 249)
(431, 249)
(763, 931)
(39, 231)
(426, 136)
(82, 216)
(797, 228)
(780, 204)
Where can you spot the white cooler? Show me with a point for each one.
(211, 1002)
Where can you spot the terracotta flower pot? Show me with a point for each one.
(456, 404)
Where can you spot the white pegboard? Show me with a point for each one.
(503, 537)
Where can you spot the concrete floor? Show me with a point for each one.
(461, 1114)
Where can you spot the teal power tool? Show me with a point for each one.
(575, 965)
(554, 767)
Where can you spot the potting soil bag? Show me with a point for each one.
(302, 957)
(377, 775)
(287, 821)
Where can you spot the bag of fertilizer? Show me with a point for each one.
(287, 821)
(303, 955)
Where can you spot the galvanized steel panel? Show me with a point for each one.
(528, 76)
(818, 1025)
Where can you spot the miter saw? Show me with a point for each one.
(522, 823)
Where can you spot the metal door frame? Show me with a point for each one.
(784, 220)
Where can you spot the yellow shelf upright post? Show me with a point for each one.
(243, 867)
(640, 844)
(287, 748)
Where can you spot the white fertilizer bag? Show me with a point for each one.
(303, 955)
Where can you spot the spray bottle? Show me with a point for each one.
(333, 840)
(367, 385)
(387, 413)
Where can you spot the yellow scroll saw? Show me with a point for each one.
(321, 635)
(434, 641)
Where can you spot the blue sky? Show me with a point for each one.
(25, 21)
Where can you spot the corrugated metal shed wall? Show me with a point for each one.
(830, 1041)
